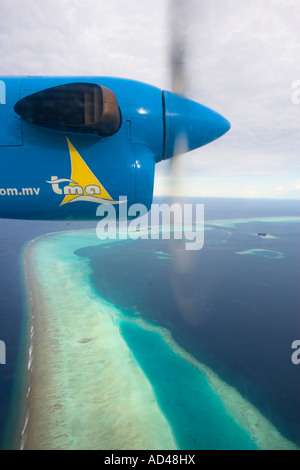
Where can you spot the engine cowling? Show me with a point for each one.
(68, 144)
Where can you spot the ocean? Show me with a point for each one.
(235, 310)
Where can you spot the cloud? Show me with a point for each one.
(243, 59)
(94, 37)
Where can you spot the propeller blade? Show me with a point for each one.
(178, 30)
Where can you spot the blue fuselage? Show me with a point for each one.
(88, 166)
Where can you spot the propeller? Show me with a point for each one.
(178, 27)
(177, 59)
(178, 32)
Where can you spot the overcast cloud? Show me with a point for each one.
(242, 59)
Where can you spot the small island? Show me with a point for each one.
(266, 235)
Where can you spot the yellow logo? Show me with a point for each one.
(83, 185)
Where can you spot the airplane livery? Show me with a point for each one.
(69, 143)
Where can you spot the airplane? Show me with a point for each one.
(68, 144)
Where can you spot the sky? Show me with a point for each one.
(242, 60)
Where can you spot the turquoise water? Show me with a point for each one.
(274, 372)
(196, 414)
(195, 409)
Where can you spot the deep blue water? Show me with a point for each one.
(249, 310)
